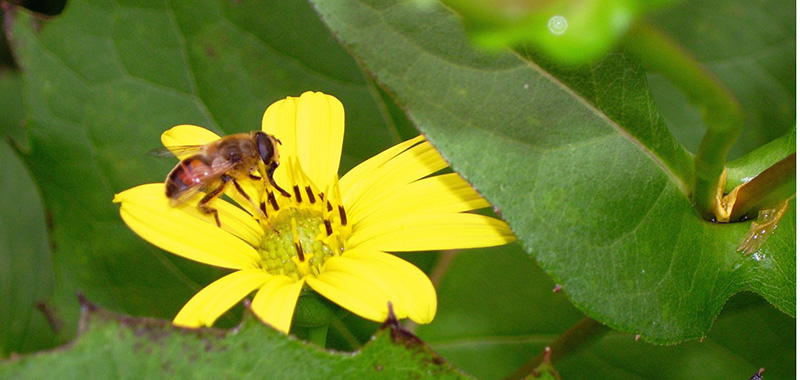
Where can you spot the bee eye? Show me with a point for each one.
(265, 148)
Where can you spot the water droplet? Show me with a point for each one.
(557, 25)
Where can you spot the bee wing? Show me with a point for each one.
(176, 151)
(209, 180)
(183, 196)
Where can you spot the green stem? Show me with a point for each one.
(718, 107)
(580, 336)
(346, 334)
(747, 167)
(768, 189)
(318, 335)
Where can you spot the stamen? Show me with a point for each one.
(273, 201)
(296, 238)
(299, 225)
(300, 254)
(297, 193)
(310, 194)
(342, 215)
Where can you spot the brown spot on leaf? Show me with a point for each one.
(210, 51)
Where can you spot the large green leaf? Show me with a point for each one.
(26, 273)
(498, 310)
(113, 346)
(579, 163)
(749, 334)
(103, 80)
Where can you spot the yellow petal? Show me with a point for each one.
(186, 232)
(349, 291)
(428, 232)
(279, 120)
(310, 128)
(275, 302)
(218, 297)
(185, 134)
(413, 290)
(409, 165)
(447, 193)
(365, 282)
(351, 182)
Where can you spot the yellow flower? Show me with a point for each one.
(331, 234)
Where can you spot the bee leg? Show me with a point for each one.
(203, 204)
(241, 191)
(254, 177)
(270, 171)
(261, 210)
(210, 210)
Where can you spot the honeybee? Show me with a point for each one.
(211, 167)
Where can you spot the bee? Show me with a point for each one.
(211, 167)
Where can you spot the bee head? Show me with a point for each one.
(267, 149)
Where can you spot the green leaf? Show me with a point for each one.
(11, 119)
(498, 310)
(579, 163)
(751, 47)
(748, 335)
(25, 267)
(103, 81)
(113, 346)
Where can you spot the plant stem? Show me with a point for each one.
(768, 189)
(318, 335)
(719, 109)
(747, 167)
(346, 334)
(580, 336)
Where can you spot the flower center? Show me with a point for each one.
(301, 232)
(294, 248)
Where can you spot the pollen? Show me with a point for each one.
(298, 244)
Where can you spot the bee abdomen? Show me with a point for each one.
(174, 188)
(188, 173)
